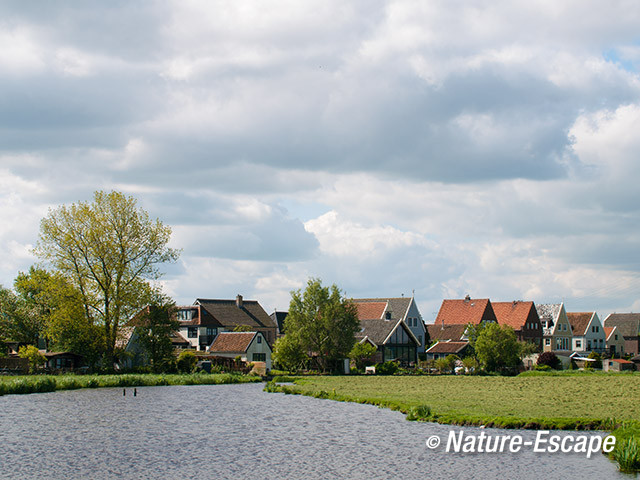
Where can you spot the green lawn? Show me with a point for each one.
(452, 399)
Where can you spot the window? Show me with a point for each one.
(212, 331)
(259, 338)
(588, 344)
(578, 343)
(259, 357)
(184, 315)
(616, 336)
(547, 341)
(192, 332)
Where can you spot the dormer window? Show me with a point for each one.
(387, 315)
(185, 315)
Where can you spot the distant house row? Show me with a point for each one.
(548, 326)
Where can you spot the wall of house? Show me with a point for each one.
(415, 323)
(617, 342)
(261, 347)
(594, 337)
(531, 331)
(562, 334)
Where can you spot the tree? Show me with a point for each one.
(18, 322)
(33, 355)
(549, 359)
(497, 347)
(187, 361)
(154, 326)
(322, 324)
(361, 354)
(288, 354)
(109, 249)
(470, 364)
(58, 305)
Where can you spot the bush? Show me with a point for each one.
(420, 412)
(187, 361)
(550, 359)
(542, 368)
(598, 360)
(387, 368)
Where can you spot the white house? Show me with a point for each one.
(588, 332)
(249, 346)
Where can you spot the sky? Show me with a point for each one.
(426, 148)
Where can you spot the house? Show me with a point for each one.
(614, 341)
(588, 332)
(629, 327)
(249, 346)
(392, 337)
(278, 318)
(617, 365)
(446, 348)
(201, 322)
(522, 317)
(134, 353)
(63, 361)
(556, 329)
(395, 309)
(462, 312)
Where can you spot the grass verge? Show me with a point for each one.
(50, 383)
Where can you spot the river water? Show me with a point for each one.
(239, 432)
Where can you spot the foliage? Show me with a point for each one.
(187, 361)
(627, 450)
(470, 364)
(598, 360)
(243, 328)
(387, 368)
(322, 324)
(549, 359)
(528, 348)
(108, 249)
(18, 322)
(497, 348)
(289, 354)
(154, 326)
(361, 354)
(33, 355)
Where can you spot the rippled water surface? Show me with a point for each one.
(240, 432)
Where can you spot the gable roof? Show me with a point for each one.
(548, 311)
(628, 323)
(446, 332)
(448, 347)
(379, 330)
(227, 313)
(233, 342)
(278, 318)
(579, 321)
(608, 331)
(398, 306)
(370, 310)
(515, 314)
(468, 310)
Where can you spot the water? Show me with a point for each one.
(237, 432)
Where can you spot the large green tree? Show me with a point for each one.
(109, 249)
(18, 321)
(497, 347)
(154, 326)
(321, 324)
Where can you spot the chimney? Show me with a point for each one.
(239, 301)
(467, 299)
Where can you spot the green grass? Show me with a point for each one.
(49, 383)
(569, 401)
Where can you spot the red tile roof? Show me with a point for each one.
(608, 331)
(232, 342)
(461, 312)
(446, 332)
(619, 360)
(370, 310)
(514, 314)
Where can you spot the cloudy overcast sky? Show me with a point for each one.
(488, 148)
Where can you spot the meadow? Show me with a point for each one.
(574, 401)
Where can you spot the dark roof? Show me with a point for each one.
(177, 340)
(579, 321)
(228, 314)
(446, 332)
(514, 314)
(278, 319)
(232, 342)
(448, 347)
(377, 330)
(628, 323)
(468, 310)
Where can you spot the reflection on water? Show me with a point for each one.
(238, 432)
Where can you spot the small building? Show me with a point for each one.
(63, 361)
(614, 341)
(444, 349)
(617, 365)
(249, 346)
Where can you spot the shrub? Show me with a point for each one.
(627, 454)
(598, 360)
(387, 368)
(420, 412)
(550, 359)
(187, 361)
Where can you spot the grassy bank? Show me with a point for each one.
(568, 402)
(50, 383)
